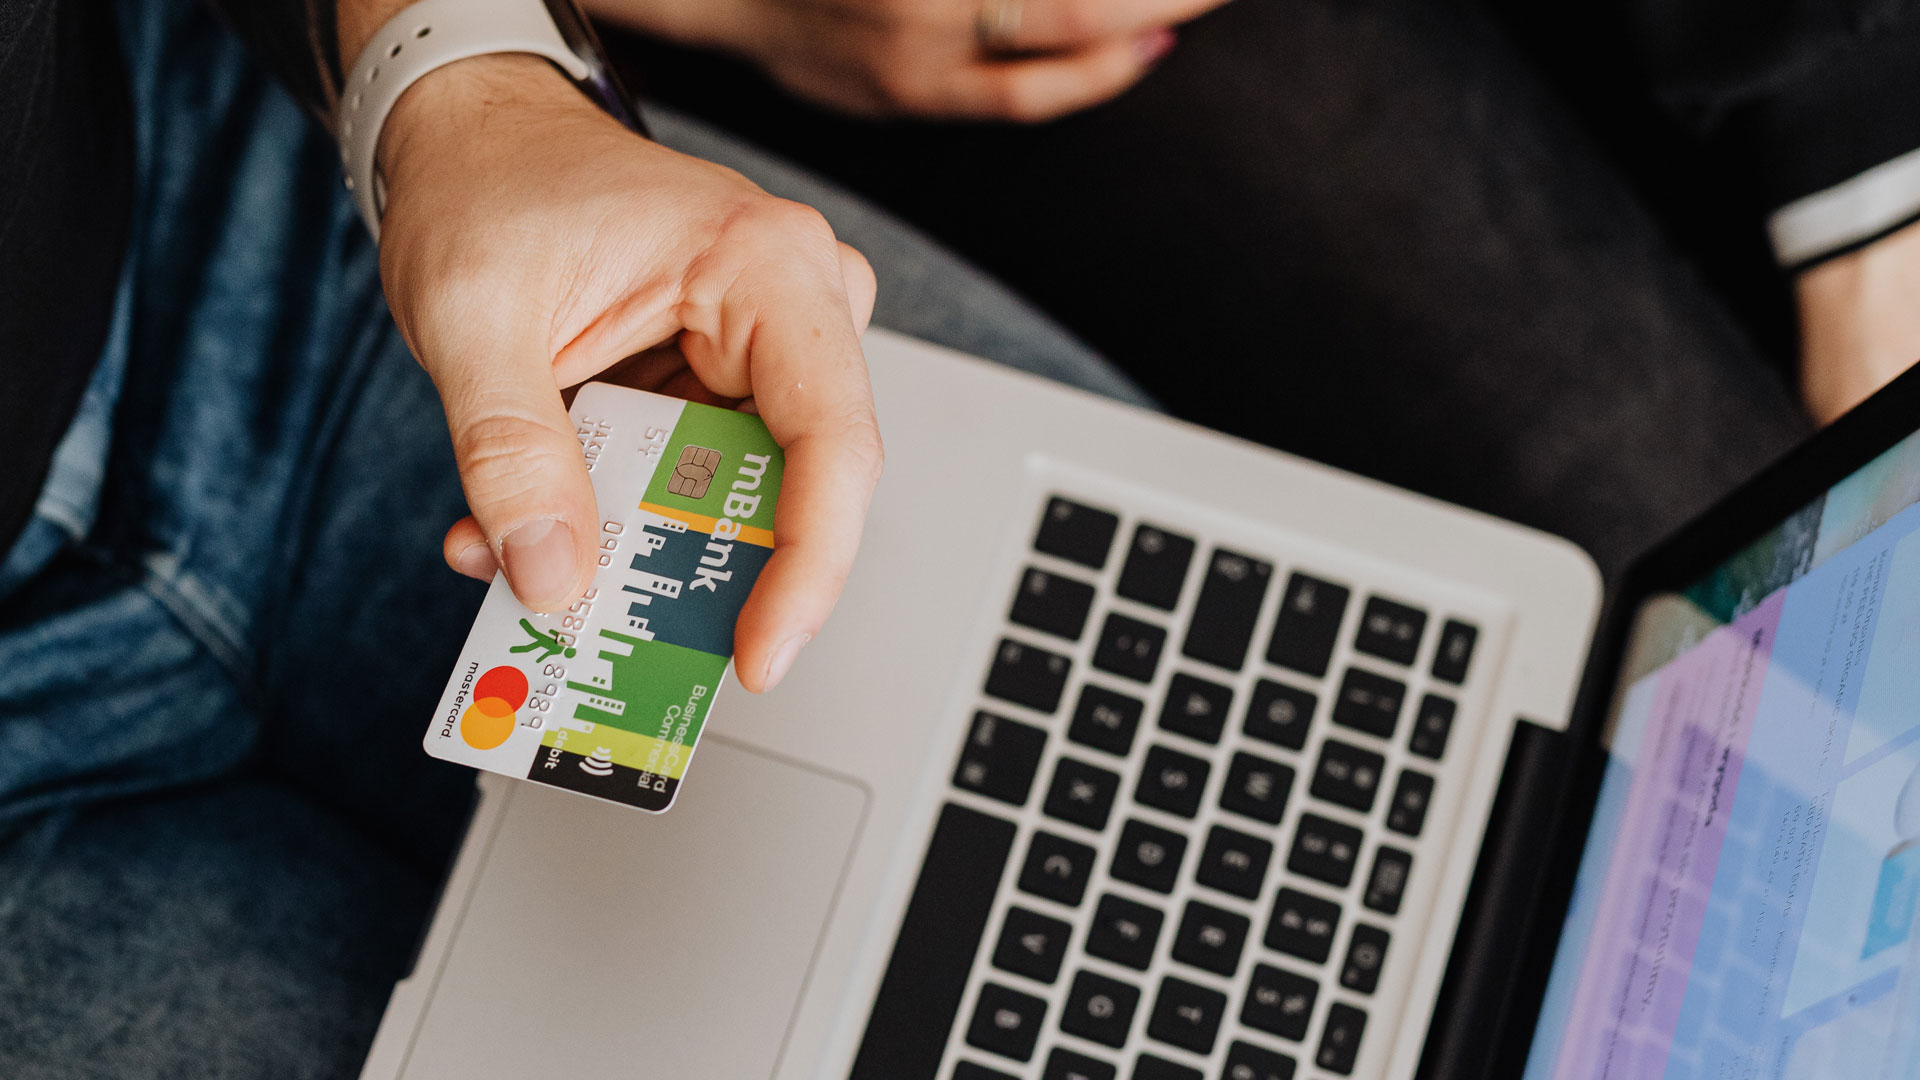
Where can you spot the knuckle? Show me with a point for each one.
(800, 221)
(866, 449)
(853, 262)
(767, 224)
(504, 455)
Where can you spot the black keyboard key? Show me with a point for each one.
(1407, 813)
(1129, 647)
(1081, 794)
(1031, 944)
(1279, 1002)
(1390, 630)
(1186, 1016)
(1027, 676)
(1099, 1009)
(1057, 869)
(1366, 951)
(1308, 624)
(1196, 708)
(967, 1070)
(1387, 884)
(1052, 604)
(1148, 856)
(1257, 788)
(1229, 603)
(1156, 567)
(1064, 1064)
(1431, 726)
(1455, 651)
(1234, 862)
(1171, 781)
(934, 953)
(1369, 703)
(1302, 925)
(1000, 758)
(1246, 1061)
(1347, 775)
(1340, 1039)
(1149, 1067)
(1007, 1022)
(1105, 720)
(1280, 714)
(1211, 939)
(1324, 850)
(1076, 533)
(1124, 932)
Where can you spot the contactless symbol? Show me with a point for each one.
(489, 720)
(599, 763)
(693, 474)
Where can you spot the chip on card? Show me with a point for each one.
(608, 697)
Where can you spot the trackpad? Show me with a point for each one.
(604, 942)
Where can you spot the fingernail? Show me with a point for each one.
(539, 558)
(476, 561)
(782, 661)
(1151, 47)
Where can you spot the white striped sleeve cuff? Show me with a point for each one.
(1849, 214)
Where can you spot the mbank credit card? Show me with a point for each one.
(608, 697)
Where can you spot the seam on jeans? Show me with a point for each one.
(198, 609)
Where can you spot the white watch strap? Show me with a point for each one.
(425, 36)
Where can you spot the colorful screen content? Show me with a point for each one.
(1745, 906)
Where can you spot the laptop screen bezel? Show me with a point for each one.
(1762, 503)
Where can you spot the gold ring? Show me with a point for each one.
(999, 24)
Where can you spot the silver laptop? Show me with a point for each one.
(1132, 751)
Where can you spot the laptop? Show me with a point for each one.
(1136, 751)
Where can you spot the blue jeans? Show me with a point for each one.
(228, 620)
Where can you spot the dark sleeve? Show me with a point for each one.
(298, 39)
(1817, 101)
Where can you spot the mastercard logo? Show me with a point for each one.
(489, 720)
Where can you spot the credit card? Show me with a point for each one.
(608, 698)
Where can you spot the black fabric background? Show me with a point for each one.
(65, 193)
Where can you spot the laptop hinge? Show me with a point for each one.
(1473, 1035)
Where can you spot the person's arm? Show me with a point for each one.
(530, 242)
(1859, 322)
(1018, 60)
(1817, 106)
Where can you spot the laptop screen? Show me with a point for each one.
(1745, 904)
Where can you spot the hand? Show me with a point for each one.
(1859, 323)
(1022, 60)
(530, 243)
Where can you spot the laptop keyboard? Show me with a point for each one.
(1190, 814)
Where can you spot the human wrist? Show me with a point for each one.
(455, 101)
(1859, 322)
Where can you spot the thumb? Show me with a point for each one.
(524, 478)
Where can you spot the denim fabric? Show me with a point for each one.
(222, 632)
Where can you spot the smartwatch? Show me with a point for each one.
(434, 33)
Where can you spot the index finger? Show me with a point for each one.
(809, 383)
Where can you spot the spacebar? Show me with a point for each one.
(921, 991)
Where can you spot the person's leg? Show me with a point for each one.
(239, 932)
(249, 594)
(1360, 230)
